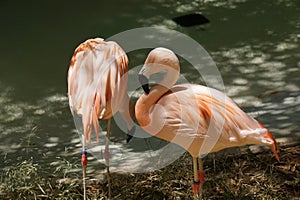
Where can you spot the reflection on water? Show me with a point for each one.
(255, 45)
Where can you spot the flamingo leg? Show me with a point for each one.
(106, 156)
(84, 163)
(196, 183)
(201, 177)
(84, 181)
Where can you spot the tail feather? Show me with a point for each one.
(274, 146)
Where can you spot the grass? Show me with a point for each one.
(229, 175)
(22, 181)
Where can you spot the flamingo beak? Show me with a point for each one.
(145, 83)
(130, 134)
(274, 146)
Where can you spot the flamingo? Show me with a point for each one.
(97, 89)
(198, 118)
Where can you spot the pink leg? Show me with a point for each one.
(84, 163)
(196, 182)
(201, 176)
(106, 156)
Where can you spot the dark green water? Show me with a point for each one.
(255, 45)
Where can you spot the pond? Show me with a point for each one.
(255, 45)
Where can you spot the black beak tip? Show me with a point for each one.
(145, 83)
(146, 88)
(130, 134)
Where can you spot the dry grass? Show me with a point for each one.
(239, 175)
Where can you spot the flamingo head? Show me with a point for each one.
(160, 59)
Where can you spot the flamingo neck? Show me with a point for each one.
(146, 102)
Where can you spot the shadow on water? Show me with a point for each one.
(40, 130)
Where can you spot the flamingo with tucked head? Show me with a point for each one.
(97, 89)
(198, 118)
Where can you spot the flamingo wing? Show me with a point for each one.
(95, 80)
(236, 128)
(205, 116)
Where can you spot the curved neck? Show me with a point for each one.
(145, 102)
(163, 86)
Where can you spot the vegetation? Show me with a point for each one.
(239, 175)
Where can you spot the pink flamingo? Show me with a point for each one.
(198, 118)
(97, 89)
